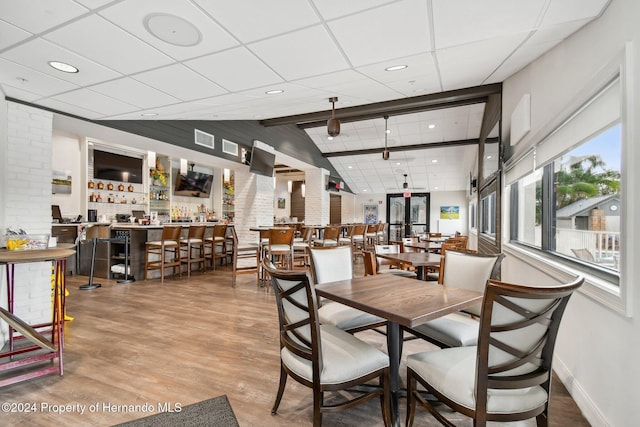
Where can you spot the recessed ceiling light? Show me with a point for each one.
(431, 126)
(435, 188)
(349, 167)
(434, 161)
(365, 190)
(274, 92)
(63, 66)
(396, 68)
(398, 163)
(419, 90)
(488, 157)
(172, 29)
(330, 138)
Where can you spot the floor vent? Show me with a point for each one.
(204, 139)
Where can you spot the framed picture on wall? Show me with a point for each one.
(449, 212)
(370, 213)
(281, 203)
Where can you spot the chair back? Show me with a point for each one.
(297, 314)
(409, 241)
(469, 271)
(386, 249)
(196, 231)
(460, 241)
(434, 234)
(281, 236)
(331, 263)
(220, 230)
(358, 230)
(171, 233)
(518, 329)
(331, 232)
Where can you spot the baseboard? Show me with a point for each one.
(589, 409)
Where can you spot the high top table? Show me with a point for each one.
(41, 348)
(403, 302)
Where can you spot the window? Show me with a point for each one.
(488, 214)
(569, 206)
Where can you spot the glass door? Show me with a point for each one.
(407, 216)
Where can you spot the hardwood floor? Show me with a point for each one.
(182, 342)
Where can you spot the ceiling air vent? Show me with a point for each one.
(204, 139)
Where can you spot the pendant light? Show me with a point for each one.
(405, 185)
(333, 124)
(385, 153)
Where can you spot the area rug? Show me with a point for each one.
(213, 412)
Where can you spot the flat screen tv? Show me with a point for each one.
(262, 162)
(116, 167)
(193, 184)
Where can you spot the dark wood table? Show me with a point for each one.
(419, 260)
(424, 246)
(403, 302)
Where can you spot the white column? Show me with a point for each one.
(316, 200)
(254, 195)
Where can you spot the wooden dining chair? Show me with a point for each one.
(280, 247)
(322, 356)
(507, 375)
(330, 236)
(355, 238)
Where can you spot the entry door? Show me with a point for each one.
(407, 216)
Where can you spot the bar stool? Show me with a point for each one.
(168, 251)
(330, 236)
(193, 242)
(217, 240)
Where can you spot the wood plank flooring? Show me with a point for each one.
(188, 340)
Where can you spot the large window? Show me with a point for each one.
(569, 206)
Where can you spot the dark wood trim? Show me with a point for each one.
(406, 147)
(434, 101)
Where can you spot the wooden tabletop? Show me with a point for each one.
(426, 246)
(63, 250)
(416, 259)
(403, 300)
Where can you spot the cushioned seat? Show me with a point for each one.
(453, 330)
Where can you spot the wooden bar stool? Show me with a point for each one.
(280, 247)
(167, 249)
(217, 240)
(193, 242)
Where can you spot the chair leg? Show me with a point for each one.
(411, 400)
(283, 382)
(318, 402)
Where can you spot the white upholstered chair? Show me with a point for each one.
(462, 270)
(507, 376)
(330, 264)
(322, 356)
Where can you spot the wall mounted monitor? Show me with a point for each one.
(116, 167)
(262, 162)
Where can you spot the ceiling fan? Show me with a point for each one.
(333, 124)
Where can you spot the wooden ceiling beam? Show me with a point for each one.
(440, 100)
(407, 147)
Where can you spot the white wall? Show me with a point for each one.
(598, 348)
(66, 157)
(449, 198)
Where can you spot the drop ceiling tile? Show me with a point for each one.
(135, 93)
(78, 110)
(330, 9)
(38, 52)
(564, 11)
(235, 70)
(131, 17)
(10, 34)
(181, 82)
(400, 28)
(247, 22)
(301, 54)
(95, 101)
(108, 45)
(36, 16)
(470, 64)
(466, 21)
(30, 80)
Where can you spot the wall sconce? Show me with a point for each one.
(184, 165)
(226, 175)
(302, 189)
(151, 158)
(290, 186)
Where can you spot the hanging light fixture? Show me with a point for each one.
(405, 185)
(333, 124)
(385, 153)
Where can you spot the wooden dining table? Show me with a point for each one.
(419, 260)
(424, 246)
(401, 301)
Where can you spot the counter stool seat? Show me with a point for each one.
(166, 250)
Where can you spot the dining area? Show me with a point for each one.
(482, 338)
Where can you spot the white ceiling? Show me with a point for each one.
(310, 49)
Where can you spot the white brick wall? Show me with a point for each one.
(26, 190)
(253, 203)
(316, 201)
